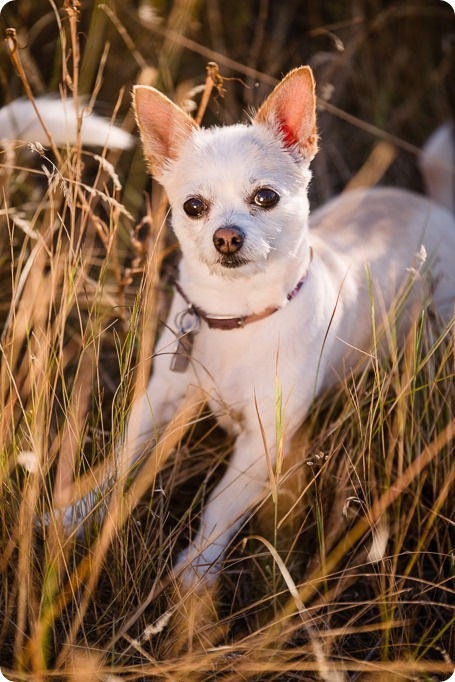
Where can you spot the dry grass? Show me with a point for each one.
(347, 573)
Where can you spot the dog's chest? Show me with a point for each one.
(238, 368)
(232, 365)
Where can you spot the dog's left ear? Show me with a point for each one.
(291, 111)
(163, 125)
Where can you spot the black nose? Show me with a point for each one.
(228, 239)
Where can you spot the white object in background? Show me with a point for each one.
(2, 677)
(18, 121)
(2, 4)
(437, 165)
(452, 4)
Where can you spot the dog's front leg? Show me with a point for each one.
(166, 394)
(242, 485)
(154, 409)
(150, 413)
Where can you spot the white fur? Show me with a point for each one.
(360, 241)
(365, 235)
(271, 238)
(437, 163)
(18, 121)
(347, 236)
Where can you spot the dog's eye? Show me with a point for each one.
(194, 207)
(266, 197)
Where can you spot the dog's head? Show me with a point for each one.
(238, 193)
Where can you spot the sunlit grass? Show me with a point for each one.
(345, 572)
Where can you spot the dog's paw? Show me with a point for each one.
(197, 570)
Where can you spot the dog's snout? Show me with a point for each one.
(228, 239)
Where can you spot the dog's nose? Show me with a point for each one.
(228, 239)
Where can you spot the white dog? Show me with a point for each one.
(265, 293)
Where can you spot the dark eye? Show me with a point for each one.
(266, 197)
(194, 207)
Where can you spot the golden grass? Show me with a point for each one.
(346, 571)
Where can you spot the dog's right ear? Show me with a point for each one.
(163, 126)
(290, 110)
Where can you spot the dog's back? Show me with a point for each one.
(389, 227)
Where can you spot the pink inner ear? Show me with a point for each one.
(288, 134)
(290, 111)
(293, 113)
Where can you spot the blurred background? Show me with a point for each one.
(383, 68)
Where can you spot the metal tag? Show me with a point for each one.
(188, 324)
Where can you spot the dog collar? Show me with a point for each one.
(226, 323)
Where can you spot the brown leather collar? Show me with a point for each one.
(226, 323)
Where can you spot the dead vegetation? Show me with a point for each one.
(348, 572)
